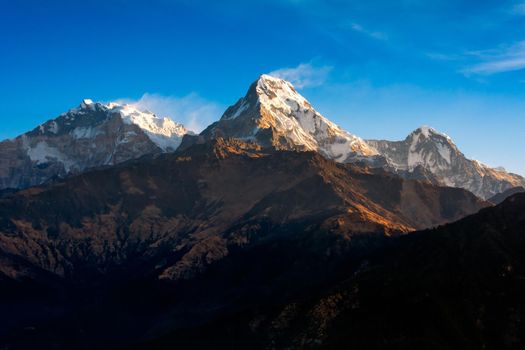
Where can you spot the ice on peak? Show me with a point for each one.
(266, 77)
(480, 164)
(272, 87)
(86, 103)
(271, 90)
(164, 132)
(425, 130)
(274, 82)
(273, 104)
(296, 118)
(112, 105)
(428, 132)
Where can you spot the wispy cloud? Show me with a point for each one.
(192, 110)
(373, 34)
(519, 9)
(505, 59)
(304, 75)
(437, 56)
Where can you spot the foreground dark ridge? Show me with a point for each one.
(461, 286)
(142, 245)
(500, 197)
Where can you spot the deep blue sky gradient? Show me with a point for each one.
(391, 65)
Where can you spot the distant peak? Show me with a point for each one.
(164, 132)
(428, 132)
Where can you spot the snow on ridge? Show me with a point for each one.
(164, 132)
(87, 101)
(42, 153)
(427, 131)
(303, 124)
(85, 132)
(444, 151)
(244, 106)
(53, 127)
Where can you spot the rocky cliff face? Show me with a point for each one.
(92, 135)
(194, 199)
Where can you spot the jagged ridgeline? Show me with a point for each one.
(272, 113)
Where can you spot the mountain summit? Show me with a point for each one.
(91, 135)
(436, 157)
(275, 115)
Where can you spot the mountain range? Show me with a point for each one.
(228, 242)
(272, 114)
(168, 221)
(273, 228)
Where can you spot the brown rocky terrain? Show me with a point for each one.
(188, 200)
(179, 238)
(460, 286)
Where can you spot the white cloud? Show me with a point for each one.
(304, 75)
(192, 110)
(373, 34)
(506, 59)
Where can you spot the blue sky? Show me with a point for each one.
(378, 68)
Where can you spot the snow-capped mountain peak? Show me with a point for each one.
(428, 132)
(164, 132)
(274, 114)
(91, 135)
(430, 149)
(279, 92)
(442, 161)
